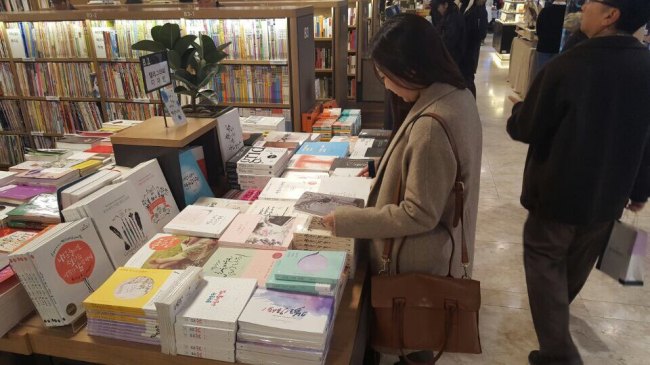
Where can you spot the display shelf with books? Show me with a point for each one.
(270, 64)
(347, 344)
(330, 36)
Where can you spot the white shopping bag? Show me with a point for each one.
(623, 258)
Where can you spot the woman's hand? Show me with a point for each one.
(329, 221)
(635, 206)
(364, 172)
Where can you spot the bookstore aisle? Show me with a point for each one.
(610, 324)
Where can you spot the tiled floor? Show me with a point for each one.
(610, 323)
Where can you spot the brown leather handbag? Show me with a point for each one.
(419, 311)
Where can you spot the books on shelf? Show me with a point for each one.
(60, 268)
(323, 27)
(49, 39)
(252, 39)
(7, 87)
(323, 58)
(119, 217)
(320, 204)
(133, 110)
(124, 81)
(352, 16)
(59, 79)
(14, 5)
(62, 116)
(126, 33)
(252, 84)
(11, 117)
(173, 252)
(288, 189)
(260, 232)
(152, 192)
(87, 186)
(206, 327)
(247, 263)
(11, 150)
(201, 221)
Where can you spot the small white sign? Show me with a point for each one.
(173, 106)
(155, 70)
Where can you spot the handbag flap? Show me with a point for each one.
(425, 291)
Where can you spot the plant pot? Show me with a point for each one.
(205, 110)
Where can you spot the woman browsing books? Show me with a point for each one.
(412, 196)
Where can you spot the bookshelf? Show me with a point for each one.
(77, 65)
(359, 33)
(330, 42)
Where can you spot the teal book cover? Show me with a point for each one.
(311, 266)
(335, 149)
(195, 185)
(298, 286)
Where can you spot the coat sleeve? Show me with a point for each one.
(641, 189)
(540, 113)
(429, 180)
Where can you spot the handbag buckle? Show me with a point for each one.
(465, 275)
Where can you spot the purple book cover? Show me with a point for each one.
(24, 192)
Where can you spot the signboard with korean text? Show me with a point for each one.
(155, 71)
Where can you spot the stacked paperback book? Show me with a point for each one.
(201, 221)
(258, 123)
(259, 165)
(207, 326)
(60, 268)
(124, 306)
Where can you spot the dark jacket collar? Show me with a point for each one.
(614, 41)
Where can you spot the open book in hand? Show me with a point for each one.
(319, 204)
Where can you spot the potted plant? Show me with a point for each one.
(194, 61)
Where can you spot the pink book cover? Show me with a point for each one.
(311, 163)
(24, 192)
(6, 274)
(250, 195)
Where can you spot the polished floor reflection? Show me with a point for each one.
(610, 323)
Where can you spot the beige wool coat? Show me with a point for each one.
(421, 157)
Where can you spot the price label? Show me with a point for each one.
(37, 133)
(141, 100)
(29, 59)
(188, 14)
(278, 62)
(52, 98)
(155, 70)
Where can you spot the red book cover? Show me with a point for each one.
(100, 149)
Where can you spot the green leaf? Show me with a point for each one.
(170, 33)
(209, 49)
(206, 80)
(148, 45)
(156, 33)
(180, 89)
(209, 95)
(174, 59)
(182, 76)
(222, 47)
(187, 57)
(199, 49)
(182, 43)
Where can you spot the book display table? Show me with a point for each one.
(151, 139)
(347, 345)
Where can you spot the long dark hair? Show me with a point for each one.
(409, 51)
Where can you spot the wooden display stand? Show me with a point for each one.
(151, 139)
(504, 33)
(347, 346)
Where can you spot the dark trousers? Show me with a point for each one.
(558, 259)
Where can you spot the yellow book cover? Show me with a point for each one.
(87, 165)
(128, 290)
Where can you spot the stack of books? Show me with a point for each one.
(259, 165)
(290, 140)
(60, 268)
(348, 167)
(173, 252)
(207, 326)
(285, 328)
(14, 301)
(54, 177)
(332, 149)
(11, 240)
(242, 263)
(87, 186)
(122, 222)
(201, 221)
(124, 306)
(258, 123)
(42, 209)
(77, 142)
(231, 167)
(348, 124)
(260, 232)
(19, 194)
(240, 205)
(310, 272)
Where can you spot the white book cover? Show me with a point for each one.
(6, 177)
(16, 44)
(351, 187)
(287, 313)
(288, 189)
(73, 264)
(121, 221)
(230, 134)
(173, 252)
(241, 205)
(297, 175)
(201, 221)
(264, 232)
(218, 303)
(272, 207)
(297, 137)
(153, 192)
(263, 158)
(260, 122)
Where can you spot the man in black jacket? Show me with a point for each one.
(587, 121)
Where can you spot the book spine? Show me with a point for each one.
(305, 279)
(317, 289)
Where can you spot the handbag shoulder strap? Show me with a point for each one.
(459, 193)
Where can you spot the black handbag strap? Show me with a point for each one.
(459, 196)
